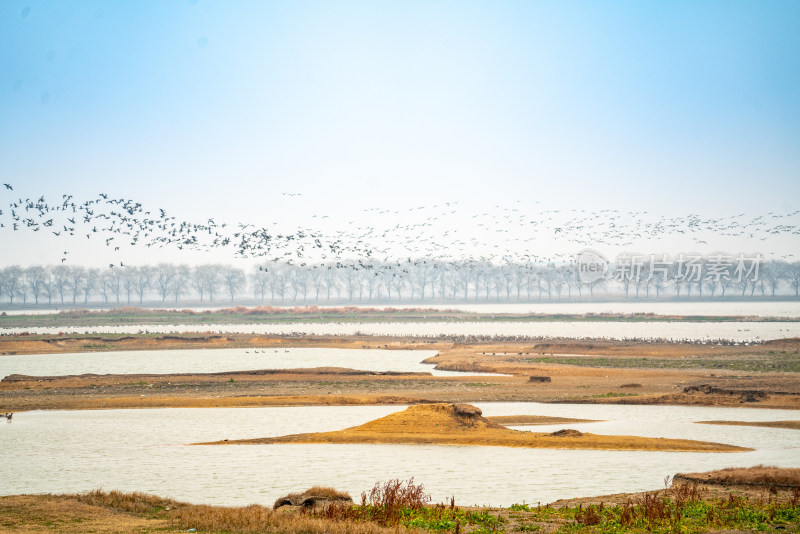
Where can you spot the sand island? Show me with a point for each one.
(464, 424)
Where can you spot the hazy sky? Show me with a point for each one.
(215, 109)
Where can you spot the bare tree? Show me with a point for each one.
(163, 277)
(115, 277)
(548, 276)
(104, 283)
(77, 279)
(793, 275)
(233, 279)
(573, 280)
(330, 276)
(34, 277)
(316, 276)
(399, 283)
(598, 284)
(385, 276)
(180, 281)
(463, 275)
(90, 282)
(144, 278)
(372, 281)
(772, 273)
(278, 281)
(60, 282)
(197, 281)
(504, 279)
(420, 276)
(12, 281)
(260, 279)
(351, 280)
(559, 282)
(47, 284)
(205, 279)
(297, 282)
(725, 282)
(129, 282)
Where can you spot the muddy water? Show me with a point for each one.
(144, 450)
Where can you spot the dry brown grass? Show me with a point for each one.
(760, 475)
(135, 502)
(444, 424)
(255, 518)
(114, 511)
(63, 513)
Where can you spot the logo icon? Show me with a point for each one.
(592, 266)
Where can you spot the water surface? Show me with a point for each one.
(219, 360)
(144, 450)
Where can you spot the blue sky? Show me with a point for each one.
(213, 109)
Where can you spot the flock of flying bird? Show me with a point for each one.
(441, 231)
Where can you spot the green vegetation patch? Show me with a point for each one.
(613, 394)
(668, 515)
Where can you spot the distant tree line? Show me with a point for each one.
(358, 281)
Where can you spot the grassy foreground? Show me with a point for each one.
(399, 507)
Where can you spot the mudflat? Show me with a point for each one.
(573, 371)
(791, 425)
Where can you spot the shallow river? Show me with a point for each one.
(694, 331)
(218, 360)
(145, 450)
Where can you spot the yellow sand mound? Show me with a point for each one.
(462, 424)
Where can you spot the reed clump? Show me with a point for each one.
(386, 503)
(405, 504)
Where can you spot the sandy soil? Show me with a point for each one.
(793, 425)
(523, 420)
(554, 382)
(462, 424)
